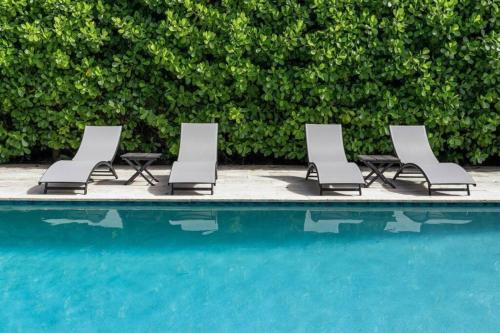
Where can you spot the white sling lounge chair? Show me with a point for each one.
(414, 151)
(327, 160)
(97, 149)
(197, 161)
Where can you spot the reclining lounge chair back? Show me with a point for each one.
(414, 151)
(99, 142)
(97, 149)
(411, 144)
(198, 143)
(328, 162)
(325, 143)
(197, 161)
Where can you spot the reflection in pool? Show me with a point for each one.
(111, 220)
(326, 221)
(405, 224)
(203, 221)
(249, 268)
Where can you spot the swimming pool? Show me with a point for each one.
(84, 267)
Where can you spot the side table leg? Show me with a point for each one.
(137, 172)
(149, 173)
(380, 174)
(141, 170)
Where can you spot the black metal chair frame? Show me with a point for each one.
(312, 171)
(211, 188)
(83, 186)
(173, 188)
(429, 184)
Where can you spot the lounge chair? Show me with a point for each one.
(414, 151)
(97, 149)
(197, 161)
(327, 160)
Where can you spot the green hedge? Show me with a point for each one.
(260, 68)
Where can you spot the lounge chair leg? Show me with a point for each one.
(309, 170)
(113, 171)
(45, 189)
(171, 189)
(212, 189)
(359, 189)
(468, 189)
(85, 190)
(429, 189)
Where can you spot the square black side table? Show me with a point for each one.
(140, 162)
(378, 165)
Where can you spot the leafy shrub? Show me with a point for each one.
(260, 68)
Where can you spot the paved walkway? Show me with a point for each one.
(240, 183)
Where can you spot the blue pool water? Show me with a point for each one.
(249, 268)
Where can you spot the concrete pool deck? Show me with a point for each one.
(241, 183)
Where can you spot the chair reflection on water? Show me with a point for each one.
(111, 220)
(201, 221)
(404, 223)
(325, 222)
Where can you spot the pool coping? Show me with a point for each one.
(169, 202)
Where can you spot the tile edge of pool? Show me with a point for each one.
(236, 202)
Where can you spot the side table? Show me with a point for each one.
(378, 165)
(140, 162)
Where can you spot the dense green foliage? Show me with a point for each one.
(260, 68)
